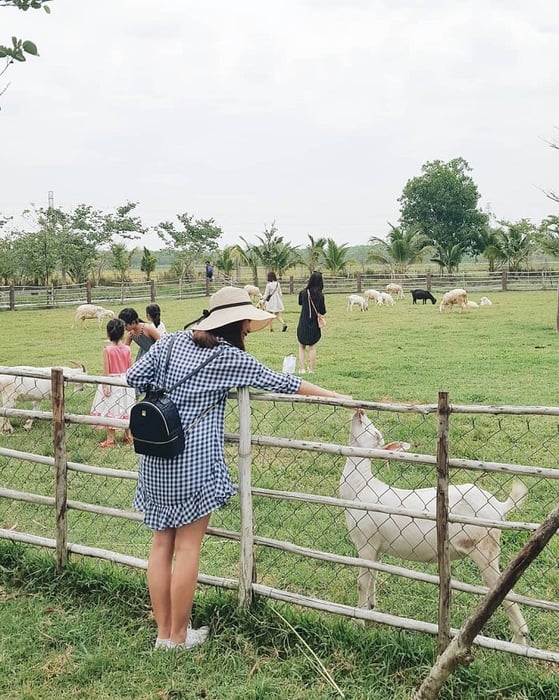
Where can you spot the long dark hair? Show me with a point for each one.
(230, 332)
(129, 315)
(315, 285)
(154, 312)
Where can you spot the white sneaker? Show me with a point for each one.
(196, 637)
(161, 643)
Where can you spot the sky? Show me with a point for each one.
(312, 114)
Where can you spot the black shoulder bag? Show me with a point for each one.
(155, 422)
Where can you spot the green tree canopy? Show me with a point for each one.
(195, 240)
(443, 204)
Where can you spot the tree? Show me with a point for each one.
(442, 203)
(197, 240)
(312, 255)
(335, 257)
(148, 263)
(403, 248)
(248, 256)
(448, 258)
(225, 261)
(274, 253)
(20, 47)
(514, 243)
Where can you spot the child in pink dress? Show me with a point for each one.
(114, 401)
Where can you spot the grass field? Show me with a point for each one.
(503, 354)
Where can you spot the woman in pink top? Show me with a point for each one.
(114, 401)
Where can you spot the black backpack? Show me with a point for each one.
(155, 422)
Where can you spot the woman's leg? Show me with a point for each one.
(301, 358)
(159, 579)
(188, 542)
(312, 357)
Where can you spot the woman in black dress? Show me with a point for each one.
(311, 301)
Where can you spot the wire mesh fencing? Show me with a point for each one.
(342, 500)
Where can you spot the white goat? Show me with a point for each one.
(375, 534)
(357, 300)
(254, 293)
(385, 299)
(472, 304)
(395, 289)
(484, 301)
(14, 388)
(372, 294)
(91, 311)
(456, 297)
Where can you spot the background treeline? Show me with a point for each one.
(441, 228)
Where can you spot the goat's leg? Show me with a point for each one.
(486, 555)
(29, 422)
(366, 580)
(5, 425)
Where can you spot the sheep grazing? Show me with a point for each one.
(405, 537)
(396, 290)
(456, 297)
(385, 299)
(20, 388)
(91, 311)
(356, 300)
(422, 294)
(372, 294)
(254, 293)
(484, 301)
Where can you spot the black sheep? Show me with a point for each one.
(422, 294)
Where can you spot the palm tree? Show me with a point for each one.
(275, 254)
(403, 248)
(488, 245)
(248, 256)
(449, 258)
(513, 247)
(335, 257)
(225, 262)
(311, 256)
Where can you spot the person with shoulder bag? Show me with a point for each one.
(178, 494)
(311, 321)
(273, 300)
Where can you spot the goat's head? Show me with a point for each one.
(362, 433)
(77, 368)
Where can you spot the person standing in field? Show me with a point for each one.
(273, 299)
(114, 401)
(312, 303)
(178, 494)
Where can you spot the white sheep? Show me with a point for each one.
(372, 294)
(91, 311)
(471, 304)
(15, 388)
(357, 300)
(374, 533)
(456, 297)
(395, 289)
(484, 301)
(385, 299)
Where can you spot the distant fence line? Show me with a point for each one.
(256, 453)
(33, 297)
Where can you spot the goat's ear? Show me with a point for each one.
(397, 446)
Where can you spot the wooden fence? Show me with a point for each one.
(253, 578)
(21, 297)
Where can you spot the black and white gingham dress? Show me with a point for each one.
(177, 491)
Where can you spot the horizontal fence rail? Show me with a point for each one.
(288, 535)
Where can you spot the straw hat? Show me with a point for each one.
(230, 304)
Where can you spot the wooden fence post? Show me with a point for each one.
(152, 290)
(428, 281)
(359, 283)
(504, 281)
(88, 292)
(443, 552)
(60, 464)
(246, 553)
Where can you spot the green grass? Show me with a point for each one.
(86, 634)
(503, 354)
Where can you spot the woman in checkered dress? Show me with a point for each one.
(177, 495)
